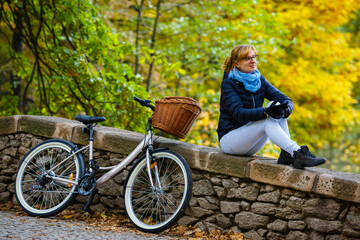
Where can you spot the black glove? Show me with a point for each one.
(276, 111)
(288, 109)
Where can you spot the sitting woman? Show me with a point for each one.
(244, 125)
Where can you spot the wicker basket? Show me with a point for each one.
(175, 115)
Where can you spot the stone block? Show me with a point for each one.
(343, 186)
(249, 193)
(263, 208)
(5, 196)
(206, 205)
(9, 125)
(15, 143)
(351, 233)
(253, 235)
(186, 221)
(295, 203)
(5, 179)
(99, 207)
(227, 183)
(211, 226)
(79, 137)
(267, 171)
(353, 218)
(273, 197)
(65, 130)
(296, 235)
(245, 205)
(288, 213)
(249, 220)
(11, 151)
(116, 140)
(42, 125)
(220, 192)
(223, 221)
(324, 226)
(110, 189)
(297, 225)
(262, 232)
(229, 207)
(327, 209)
(2, 187)
(275, 235)
(203, 187)
(25, 142)
(198, 212)
(208, 159)
(314, 235)
(278, 225)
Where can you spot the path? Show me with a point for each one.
(25, 227)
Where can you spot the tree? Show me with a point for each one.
(308, 49)
(72, 63)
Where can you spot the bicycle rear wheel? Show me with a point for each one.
(36, 191)
(154, 209)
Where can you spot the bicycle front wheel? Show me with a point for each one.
(154, 209)
(36, 190)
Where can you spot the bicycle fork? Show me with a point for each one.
(150, 163)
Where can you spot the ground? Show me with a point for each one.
(15, 224)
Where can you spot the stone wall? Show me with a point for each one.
(252, 195)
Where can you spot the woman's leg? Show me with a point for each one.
(251, 138)
(240, 141)
(278, 132)
(284, 125)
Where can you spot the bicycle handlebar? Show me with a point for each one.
(145, 103)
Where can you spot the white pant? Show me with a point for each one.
(252, 137)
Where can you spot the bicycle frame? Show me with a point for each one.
(118, 168)
(113, 170)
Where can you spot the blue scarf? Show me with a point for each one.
(251, 81)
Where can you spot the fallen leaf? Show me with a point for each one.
(199, 234)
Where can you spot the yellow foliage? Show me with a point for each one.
(319, 73)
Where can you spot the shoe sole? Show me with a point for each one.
(298, 165)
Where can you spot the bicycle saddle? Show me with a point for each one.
(87, 119)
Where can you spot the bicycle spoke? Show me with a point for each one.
(37, 193)
(42, 170)
(155, 208)
(139, 200)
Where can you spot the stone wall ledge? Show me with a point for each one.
(344, 186)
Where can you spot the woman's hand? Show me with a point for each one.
(277, 110)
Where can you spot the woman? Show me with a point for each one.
(244, 125)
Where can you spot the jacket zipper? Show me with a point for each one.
(253, 100)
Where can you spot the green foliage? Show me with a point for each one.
(74, 63)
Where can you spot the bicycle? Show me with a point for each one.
(157, 189)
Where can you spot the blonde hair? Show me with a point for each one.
(236, 55)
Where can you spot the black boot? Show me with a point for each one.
(285, 158)
(304, 158)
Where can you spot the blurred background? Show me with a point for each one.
(65, 57)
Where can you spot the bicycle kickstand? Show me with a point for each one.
(86, 208)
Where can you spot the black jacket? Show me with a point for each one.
(239, 106)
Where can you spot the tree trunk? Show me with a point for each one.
(17, 46)
(137, 36)
(153, 38)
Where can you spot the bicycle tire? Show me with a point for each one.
(154, 210)
(42, 196)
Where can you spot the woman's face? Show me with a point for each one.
(247, 64)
